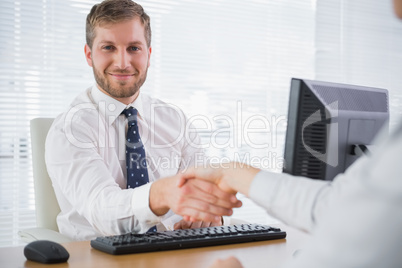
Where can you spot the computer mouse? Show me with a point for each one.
(46, 251)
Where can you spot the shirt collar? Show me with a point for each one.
(138, 104)
(111, 108)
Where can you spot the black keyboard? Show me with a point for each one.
(189, 238)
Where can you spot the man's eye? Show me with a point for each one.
(134, 48)
(107, 47)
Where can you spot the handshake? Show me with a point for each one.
(202, 195)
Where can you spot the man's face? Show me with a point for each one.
(120, 59)
(398, 8)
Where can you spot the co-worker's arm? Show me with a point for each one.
(297, 201)
(362, 228)
(87, 190)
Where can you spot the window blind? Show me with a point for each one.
(359, 42)
(232, 61)
(227, 64)
(41, 69)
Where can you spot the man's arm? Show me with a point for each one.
(83, 180)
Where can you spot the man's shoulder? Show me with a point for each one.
(159, 108)
(81, 111)
(148, 99)
(84, 98)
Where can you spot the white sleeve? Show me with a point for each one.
(363, 227)
(298, 201)
(290, 199)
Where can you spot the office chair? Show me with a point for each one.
(46, 205)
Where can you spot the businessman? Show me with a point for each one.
(355, 221)
(114, 155)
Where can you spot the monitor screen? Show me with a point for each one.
(330, 125)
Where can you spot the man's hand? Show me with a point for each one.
(196, 224)
(200, 200)
(230, 262)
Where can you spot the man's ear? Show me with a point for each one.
(149, 56)
(88, 54)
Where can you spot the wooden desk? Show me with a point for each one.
(269, 253)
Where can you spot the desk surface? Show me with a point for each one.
(270, 253)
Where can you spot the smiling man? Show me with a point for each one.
(120, 57)
(114, 156)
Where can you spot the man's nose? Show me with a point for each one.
(122, 59)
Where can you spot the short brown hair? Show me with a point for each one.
(114, 11)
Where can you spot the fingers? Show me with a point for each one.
(199, 200)
(230, 262)
(213, 223)
(183, 179)
(200, 210)
(211, 174)
(187, 175)
(207, 198)
(217, 223)
(183, 224)
(180, 225)
(204, 201)
(205, 173)
(213, 194)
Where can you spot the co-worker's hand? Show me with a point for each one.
(230, 262)
(196, 224)
(231, 177)
(211, 173)
(198, 199)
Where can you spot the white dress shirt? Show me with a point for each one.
(355, 221)
(85, 158)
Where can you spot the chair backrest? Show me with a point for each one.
(46, 204)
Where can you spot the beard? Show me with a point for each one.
(120, 89)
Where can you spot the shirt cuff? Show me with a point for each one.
(168, 221)
(141, 209)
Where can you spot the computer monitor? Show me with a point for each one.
(330, 125)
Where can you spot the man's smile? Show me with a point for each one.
(120, 76)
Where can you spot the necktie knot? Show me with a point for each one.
(131, 114)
